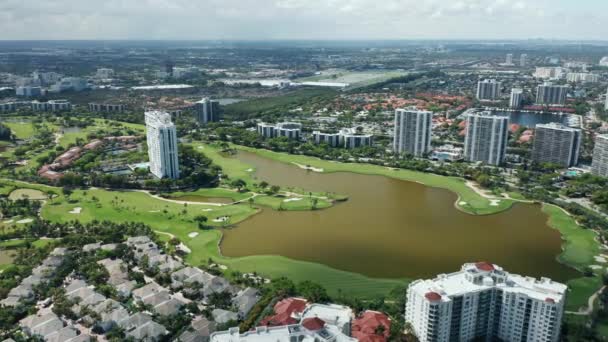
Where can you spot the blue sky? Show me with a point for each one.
(304, 19)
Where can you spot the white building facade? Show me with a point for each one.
(517, 98)
(556, 144)
(290, 130)
(413, 132)
(549, 94)
(207, 110)
(483, 302)
(488, 90)
(486, 138)
(599, 166)
(162, 145)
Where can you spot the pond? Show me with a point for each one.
(394, 229)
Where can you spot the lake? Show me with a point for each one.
(531, 119)
(393, 229)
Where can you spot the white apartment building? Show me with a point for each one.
(488, 90)
(550, 94)
(104, 73)
(606, 103)
(28, 91)
(207, 110)
(486, 138)
(70, 83)
(447, 153)
(509, 59)
(553, 73)
(8, 107)
(107, 107)
(517, 98)
(556, 144)
(291, 130)
(523, 60)
(51, 106)
(599, 166)
(352, 139)
(484, 302)
(162, 145)
(582, 77)
(266, 130)
(331, 139)
(413, 132)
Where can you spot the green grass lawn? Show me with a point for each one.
(580, 245)
(22, 130)
(213, 192)
(578, 251)
(580, 289)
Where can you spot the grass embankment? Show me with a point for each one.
(469, 201)
(579, 249)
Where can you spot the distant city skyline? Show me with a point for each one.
(302, 19)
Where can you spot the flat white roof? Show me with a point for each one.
(457, 283)
(163, 86)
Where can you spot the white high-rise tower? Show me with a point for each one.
(486, 139)
(162, 145)
(412, 132)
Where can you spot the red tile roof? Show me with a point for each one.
(283, 311)
(484, 266)
(365, 327)
(433, 296)
(313, 324)
(550, 300)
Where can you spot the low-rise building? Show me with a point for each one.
(51, 106)
(107, 107)
(351, 138)
(448, 153)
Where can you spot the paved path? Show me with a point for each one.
(589, 309)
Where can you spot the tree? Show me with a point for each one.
(250, 200)
(313, 292)
(274, 189)
(239, 184)
(66, 191)
(263, 184)
(314, 202)
(201, 221)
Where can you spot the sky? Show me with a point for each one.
(303, 19)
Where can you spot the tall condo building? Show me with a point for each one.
(488, 90)
(549, 94)
(556, 144)
(599, 166)
(509, 60)
(606, 103)
(486, 138)
(207, 111)
(517, 97)
(162, 145)
(482, 302)
(523, 60)
(412, 132)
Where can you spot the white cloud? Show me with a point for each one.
(297, 19)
